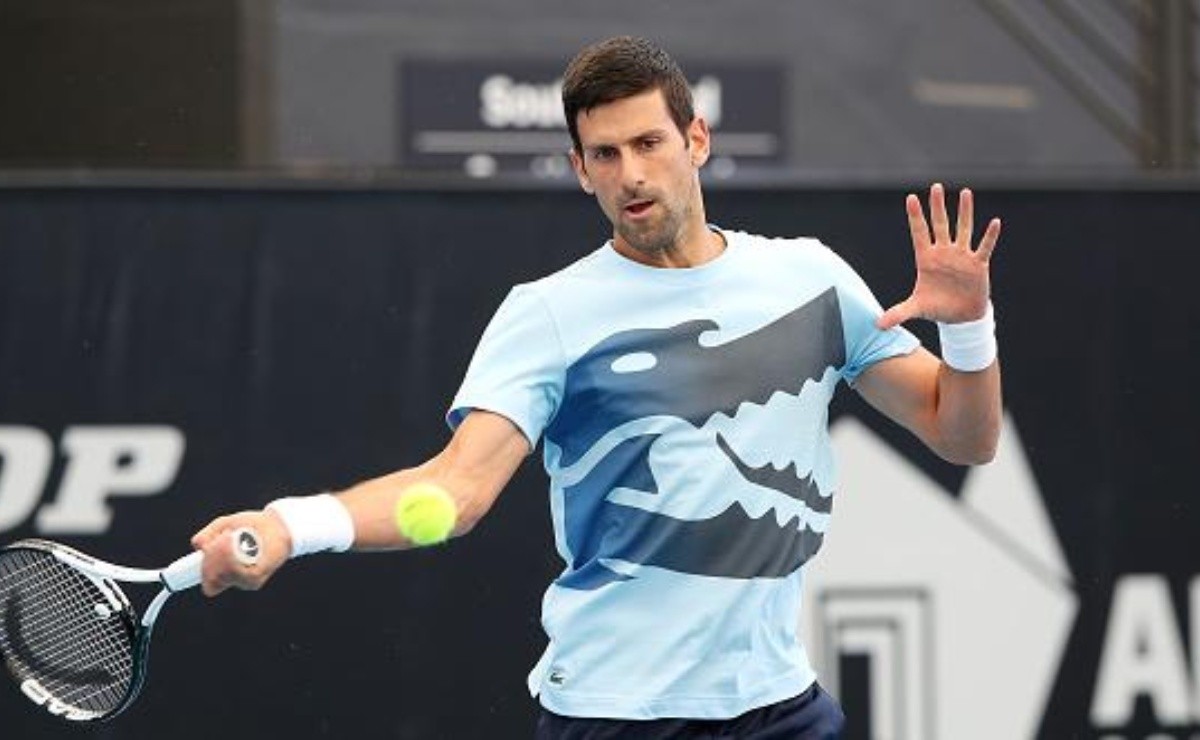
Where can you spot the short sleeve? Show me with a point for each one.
(517, 370)
(866, 344)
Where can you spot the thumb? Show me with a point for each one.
(897, 314)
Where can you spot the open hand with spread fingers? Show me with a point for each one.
(952, 275)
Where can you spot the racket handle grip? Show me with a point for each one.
(184, 573)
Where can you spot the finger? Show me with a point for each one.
(966, 217)
(897, 314)
(220, 526)
(987, 244)
(211, 587)
(206, 535)
(937, 214)
(916, 222)
(213, 578)
(219, 569)
(215, 587)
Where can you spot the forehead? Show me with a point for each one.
(624, 119)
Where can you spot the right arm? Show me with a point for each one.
(474, 467)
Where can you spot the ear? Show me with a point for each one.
(585, 182)
(699, 141)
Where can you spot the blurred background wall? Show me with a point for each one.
(1019, 88)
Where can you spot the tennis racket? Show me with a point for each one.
(69, 635)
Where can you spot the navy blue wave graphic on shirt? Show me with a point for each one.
(688, 381)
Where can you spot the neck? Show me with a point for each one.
(695, 246)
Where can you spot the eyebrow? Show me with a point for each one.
(661, 132)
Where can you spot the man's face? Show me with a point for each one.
(643, 171)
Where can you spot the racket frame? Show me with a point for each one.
(181, 574)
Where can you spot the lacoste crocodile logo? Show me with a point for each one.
(612, 419)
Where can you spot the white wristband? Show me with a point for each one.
(316, 523)
(971, 345)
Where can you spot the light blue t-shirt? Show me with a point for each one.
(684, 416)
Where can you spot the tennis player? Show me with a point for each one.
(679, 377)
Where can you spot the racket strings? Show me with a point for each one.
(59, 628)
(58, 632)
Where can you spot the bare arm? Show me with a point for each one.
(956, 413)
(474, 467)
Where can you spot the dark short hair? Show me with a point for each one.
(620, 68)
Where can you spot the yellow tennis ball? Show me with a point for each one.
(425, 514)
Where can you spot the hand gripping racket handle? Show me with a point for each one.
(184, 573)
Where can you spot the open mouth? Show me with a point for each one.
(638, 207)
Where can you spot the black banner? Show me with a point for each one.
(166, 356)
(503, 115)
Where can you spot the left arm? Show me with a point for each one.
(956, 412)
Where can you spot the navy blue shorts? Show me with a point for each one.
(813, 715)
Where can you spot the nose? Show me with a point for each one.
(633, 172)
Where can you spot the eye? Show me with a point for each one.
(603, 153)
(648, 143)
